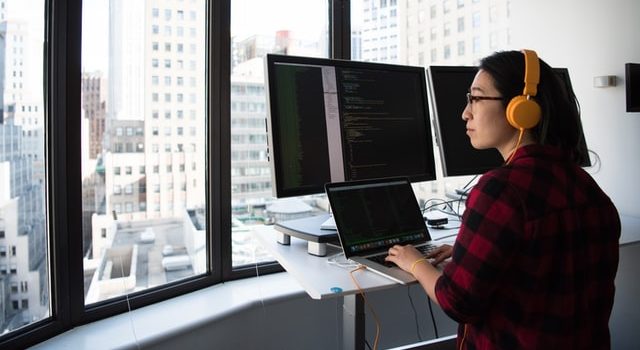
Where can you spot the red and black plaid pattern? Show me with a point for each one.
(534, 263)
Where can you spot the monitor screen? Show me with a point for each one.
(339, 120)
(448, 86)
(632, 86)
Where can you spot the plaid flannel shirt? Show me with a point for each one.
(535, 259)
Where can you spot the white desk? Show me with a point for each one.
(322, 280)
(318, 277)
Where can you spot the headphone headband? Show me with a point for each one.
(522, 111)
(531, 73)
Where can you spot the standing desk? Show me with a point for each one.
(318, 277)
(322, 280)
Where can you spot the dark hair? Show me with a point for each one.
(560, 124)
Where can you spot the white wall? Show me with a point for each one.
(593, 38)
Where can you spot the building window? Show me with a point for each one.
(460, 24)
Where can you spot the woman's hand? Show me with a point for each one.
(440, 254)
(404, 256)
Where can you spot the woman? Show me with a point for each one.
(535, 259)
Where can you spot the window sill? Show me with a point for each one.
(170, 318)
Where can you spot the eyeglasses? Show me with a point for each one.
(471, 99)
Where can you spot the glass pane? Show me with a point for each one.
(24, 271)
(258, 27)
(143, 117)
(429, 32)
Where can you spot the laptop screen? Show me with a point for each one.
(373, 215)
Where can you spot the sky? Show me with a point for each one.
(95, 35)
(305, 18)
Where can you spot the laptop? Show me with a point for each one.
(373, 215)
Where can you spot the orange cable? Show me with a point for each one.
(464, 336)
(375, 317)
(516, 148)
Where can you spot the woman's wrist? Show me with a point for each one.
(415, 263)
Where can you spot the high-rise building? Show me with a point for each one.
(23, 247)
(380, 31)
(126, 171)
(453, 32)
(94, 108)
(22, 235)
(156, 75)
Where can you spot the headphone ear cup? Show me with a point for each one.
(523, 113)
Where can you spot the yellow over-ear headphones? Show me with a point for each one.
(522, 111)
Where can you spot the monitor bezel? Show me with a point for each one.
(272, 130)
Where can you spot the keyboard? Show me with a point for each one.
(427, 248)
(424, 249)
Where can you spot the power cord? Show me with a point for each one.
(341, 261)
(433, 319)
(415, 313)
(373, 312)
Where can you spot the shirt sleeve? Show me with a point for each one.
(487, 240)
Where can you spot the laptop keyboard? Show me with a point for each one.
(424, 249)
(427, 248)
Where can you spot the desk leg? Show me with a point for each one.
(353, 322)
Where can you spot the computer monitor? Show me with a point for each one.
(336, 120)
(448, 86)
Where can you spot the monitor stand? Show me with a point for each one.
(309, 229)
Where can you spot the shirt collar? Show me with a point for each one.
(539, 151)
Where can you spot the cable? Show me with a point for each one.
(126, 294)
(447, 236)
(516, 148)
(441, 202)
(375, 317)
(433, 319)
(415, 313)
(446, 203)
(464, 336)
(260, 291)
(340, 260)
(464, 188)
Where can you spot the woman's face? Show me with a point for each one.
(487, 125)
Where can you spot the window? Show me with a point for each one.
(460, 24)
(139, 100)
(160, 85)
(475, 20)
(461, 48)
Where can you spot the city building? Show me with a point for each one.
(23, 242)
